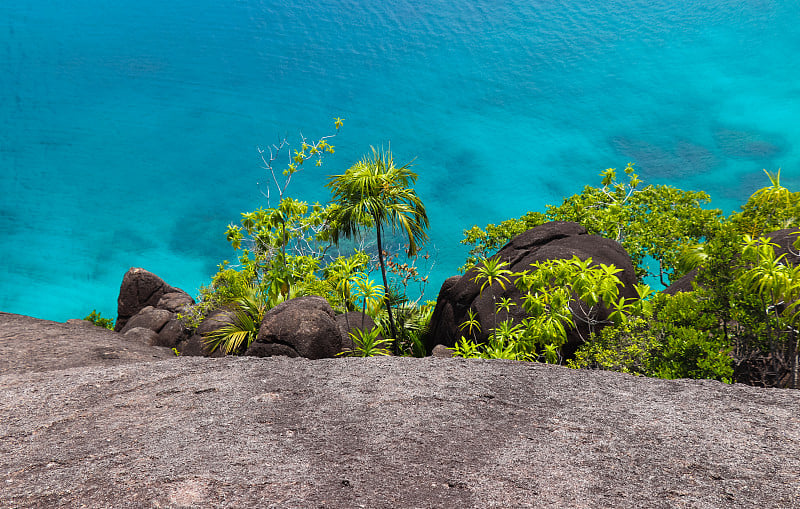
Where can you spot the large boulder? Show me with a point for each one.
(141, 335)
(168, 329)
(148, 318)
(195, 346)
(146, 301)
(684, 284)
(302, 327)
(139, 289)
(556, 240)
(176, 302)
(216, 320)
(172, 333)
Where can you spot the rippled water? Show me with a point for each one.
(129, 128)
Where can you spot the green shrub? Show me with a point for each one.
(236, 337)
(96, 319)
(547, 289)
(672, 338)
(367, 344)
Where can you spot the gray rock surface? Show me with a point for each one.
(29, 345)
(382, 433)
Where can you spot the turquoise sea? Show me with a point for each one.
(129, 129)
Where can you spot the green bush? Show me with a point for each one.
(546, 289)
(96, 319)
(367, 344)
(671, 338)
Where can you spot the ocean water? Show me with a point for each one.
(129, 129)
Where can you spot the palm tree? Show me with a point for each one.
(376, 193)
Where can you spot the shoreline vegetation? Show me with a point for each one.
(735, 318)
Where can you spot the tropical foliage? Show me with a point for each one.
(670, 337)
(236, 336)
(556, 296)
(740, 321)
(367, 344)
(292, 249)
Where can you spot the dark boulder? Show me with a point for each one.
(141, 335)
(550, 241)
(177, 302)
(139, 289)
(195, 346)
(172, 333)
(148, 318)
(167, 329)
(216, 320)
(305, 325)
(145, 300)
(684, 284)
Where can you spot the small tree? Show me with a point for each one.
(374, 193)
(280, 242)
(770, 208)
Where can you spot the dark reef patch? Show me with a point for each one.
(671, 159)
(201, 235)
(696, 158)
(660, 162)
(458, 170)
(8, 220)
(750, 144)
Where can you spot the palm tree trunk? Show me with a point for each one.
(386, 291)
